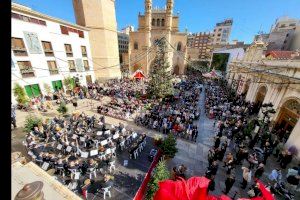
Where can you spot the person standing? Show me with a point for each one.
(246, 177)
(229, 183)
(259, 170)
(13, 116)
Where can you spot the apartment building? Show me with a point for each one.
(222, 32)
(45, 50)
(200, 45)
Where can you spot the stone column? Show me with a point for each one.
(294, 139)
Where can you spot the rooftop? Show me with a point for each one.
(282, 55)
(28, 11)
(30, 172)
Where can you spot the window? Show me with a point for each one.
(136, 46)
(219, 35)
(26, 69)
(292, 24)
(282, 26)
(68, 49)
(18, 47)
(52, 67)
(72, 66)
(220, 29)
(28, 19)
(86, 65)
(163, 22)
(64, 30)
(83, 50)
(33, 90)
(47, 48)
(158, 22)
(153, 22)
(179, 46)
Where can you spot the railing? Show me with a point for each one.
(84, 54)
(141, 192)
(49, 52)
(72, 69)
(53, 71)
(19, 51)
(87, 68)
(69, 54)
(26, 73)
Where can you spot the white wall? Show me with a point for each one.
(236, 53)
(51, 33)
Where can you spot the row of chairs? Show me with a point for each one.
(138, 150)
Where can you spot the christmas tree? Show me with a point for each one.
(160, 84)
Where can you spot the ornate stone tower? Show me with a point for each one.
(99, 16)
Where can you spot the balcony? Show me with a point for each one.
(72, 69)
(69, 54)
(84, 54)
(19, 51)
(53, 71)
(49, 52)
(27, 73)
(87, 68)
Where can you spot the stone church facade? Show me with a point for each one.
(152, 26)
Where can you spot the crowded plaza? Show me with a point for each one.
(101, 109)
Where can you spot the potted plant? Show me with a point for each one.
(20, 95)
(30, 122)
(68, 82)
(62, 109)
(160, 173)
(168, 146)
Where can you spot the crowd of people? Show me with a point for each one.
(127, 97)
(175, 114)
(81, 147)
(238, 150)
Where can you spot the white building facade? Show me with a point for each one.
(46, 50)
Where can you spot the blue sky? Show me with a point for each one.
(249, 16)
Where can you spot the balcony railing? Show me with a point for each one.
(84, 54)
(72, 69)
(69, 54)
(49, 52)
(19, 51)
(26, 73)
(87, 68)
(53, 71)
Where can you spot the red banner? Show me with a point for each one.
(141, 192)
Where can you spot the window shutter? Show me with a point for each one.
(64, 30)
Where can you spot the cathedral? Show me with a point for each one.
(152, 26)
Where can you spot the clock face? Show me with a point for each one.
(33, 43)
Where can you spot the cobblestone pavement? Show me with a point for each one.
(191, 154)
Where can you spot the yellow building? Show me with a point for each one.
(100, 17)
(153, 25)
(271, 77)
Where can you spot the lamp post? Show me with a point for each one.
(31, 191)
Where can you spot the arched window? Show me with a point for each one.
(136, 46)
(179, 46)
(163, 22)
(153, 22)
(158, 22)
